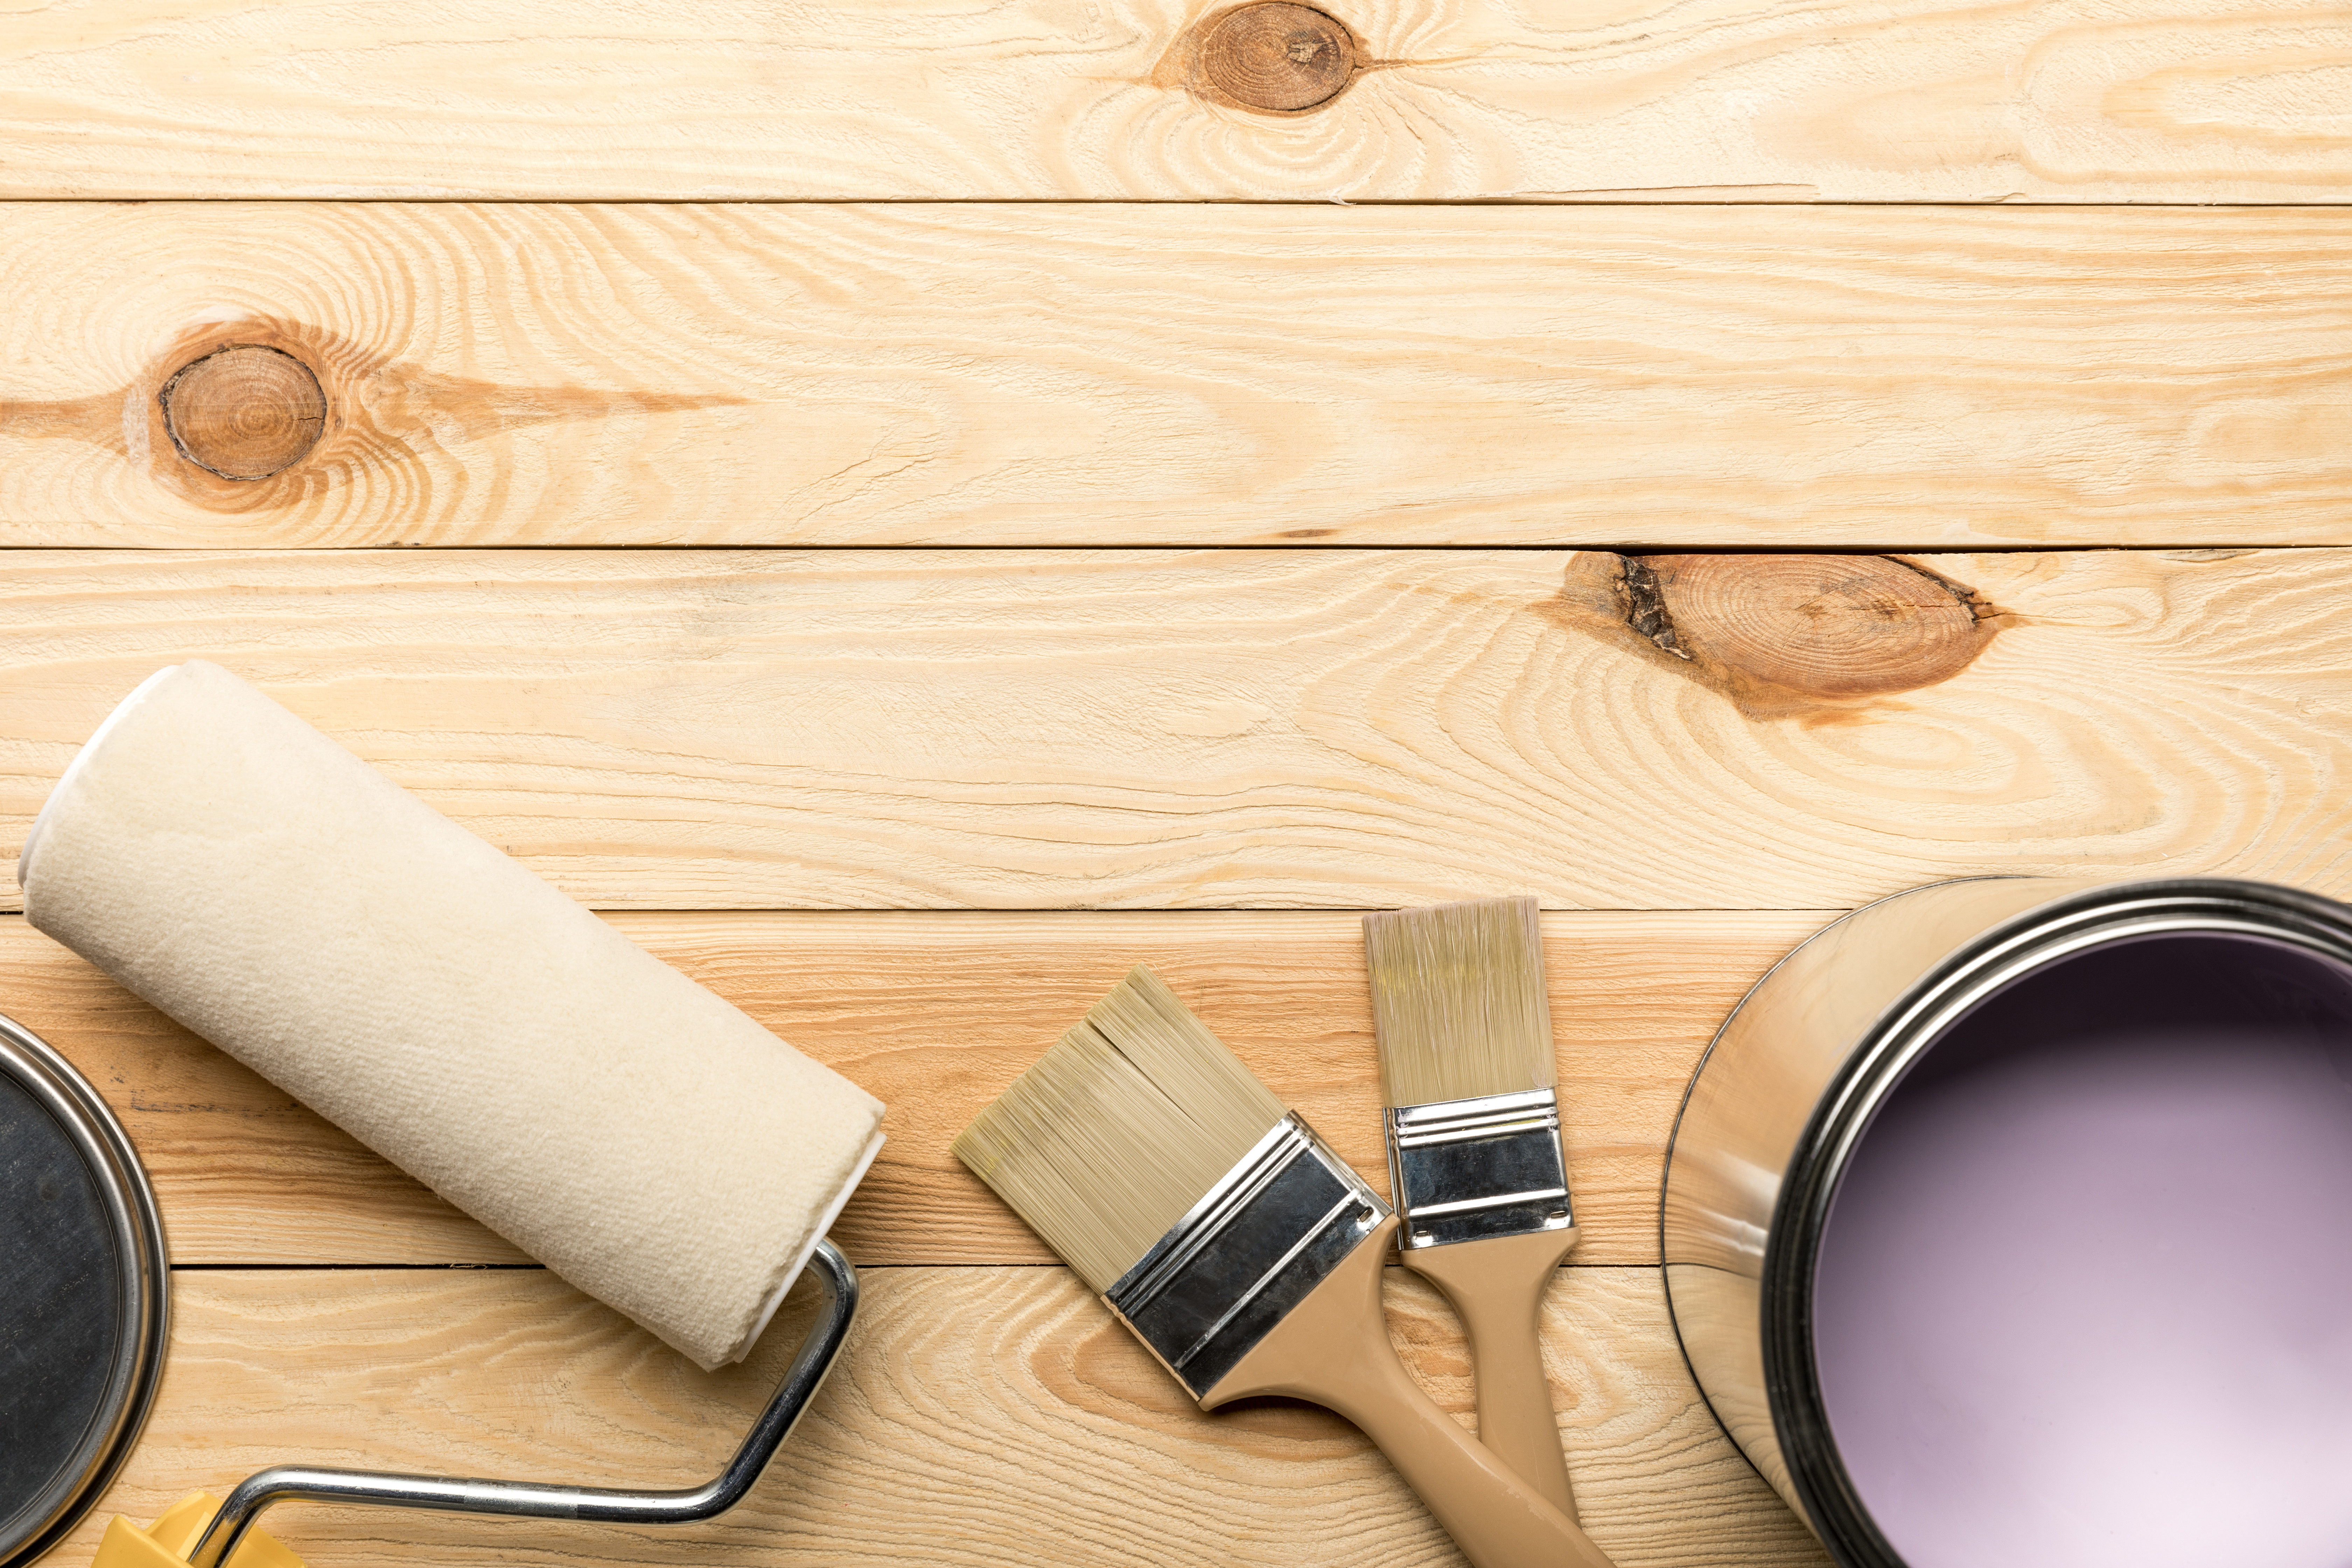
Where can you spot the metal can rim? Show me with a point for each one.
(1972, 973)
(144, 1264)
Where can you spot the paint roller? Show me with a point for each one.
(646, 1141)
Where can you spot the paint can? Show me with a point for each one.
(84, 1290)
(2003, 1223)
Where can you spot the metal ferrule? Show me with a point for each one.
(1465, 1169)
(1265, 1234)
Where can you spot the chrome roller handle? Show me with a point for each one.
(608, 1505)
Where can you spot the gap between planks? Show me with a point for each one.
(1310, 203)
(862, 1268)
(1631, 547)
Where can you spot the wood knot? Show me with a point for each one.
(1815, 625)
(244, 412)
(1818, 638)
(1277, 57)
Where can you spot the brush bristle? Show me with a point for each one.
(1458, 1001)
(1115, 1133)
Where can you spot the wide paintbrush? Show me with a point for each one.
(1243, 1253)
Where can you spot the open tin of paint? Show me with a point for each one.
(2005, 1221)
(83, 1291)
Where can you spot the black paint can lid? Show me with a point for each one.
(84, 1287)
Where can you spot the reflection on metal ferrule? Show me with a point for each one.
(1467, 1169)
(1227, 1272)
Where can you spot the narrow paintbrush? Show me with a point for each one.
(1473, 1147)
(1243, 1253)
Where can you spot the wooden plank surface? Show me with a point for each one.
(978, 1415)
(2164, 100)
(915, 809)
(1328, 729)
(936, 1014)
(966, 375)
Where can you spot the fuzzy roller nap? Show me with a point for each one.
(642, 1138)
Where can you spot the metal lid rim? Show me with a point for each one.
(144, 1258)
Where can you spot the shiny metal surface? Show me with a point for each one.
(528, 1500)
(1489, 1165)
(1271, 1230)
(84, 1296)
(1790, 1083)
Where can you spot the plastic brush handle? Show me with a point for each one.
(1497, 1287)
(1333, 1349)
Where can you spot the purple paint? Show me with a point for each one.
(2084, 1297)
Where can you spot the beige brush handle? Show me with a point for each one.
(1497, 1286)
(1333, 1349)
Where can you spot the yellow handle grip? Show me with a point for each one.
(165, 1544)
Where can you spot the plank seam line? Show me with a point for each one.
(1525, 202)
(541, 1268)
(1945, 547)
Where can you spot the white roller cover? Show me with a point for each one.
(638, 1135)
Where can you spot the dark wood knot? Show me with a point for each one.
(244, 412)
(1277, 56)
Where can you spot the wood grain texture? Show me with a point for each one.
(1645, 376)
(1324, 728)
(983, 1416)
(936, 1014)
(2171, 101)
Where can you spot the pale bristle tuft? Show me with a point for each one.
(1115, 1133)
(1458, 1001)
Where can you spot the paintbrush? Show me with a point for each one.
(1475, 1158)
(1243, 1253)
